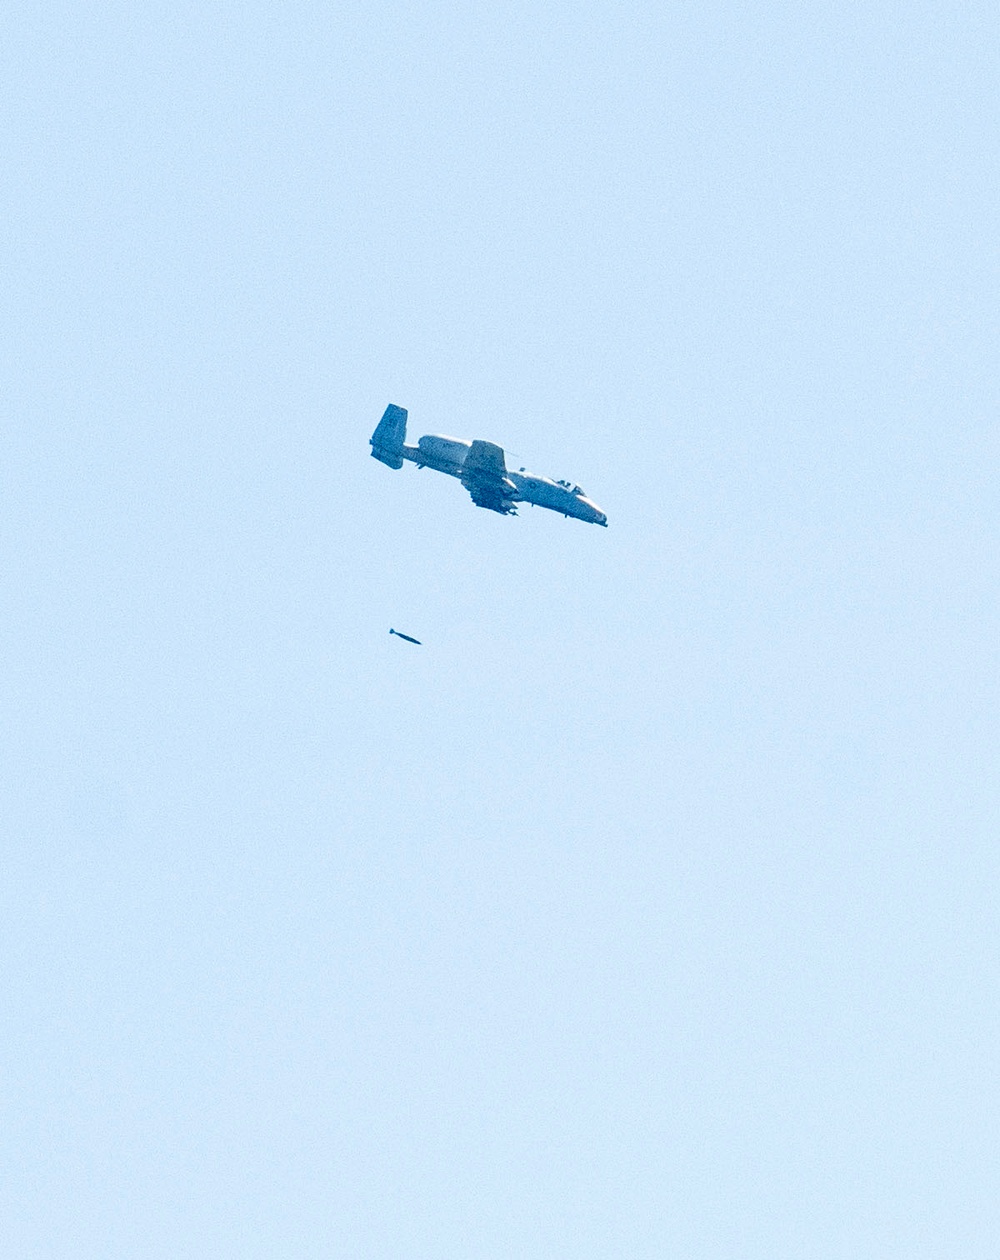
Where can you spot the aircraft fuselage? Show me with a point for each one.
(482, 470)
(447, 455)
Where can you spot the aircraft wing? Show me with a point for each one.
(484, 475)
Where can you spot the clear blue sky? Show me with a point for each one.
(649, 909)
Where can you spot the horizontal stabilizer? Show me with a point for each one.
(387, 440)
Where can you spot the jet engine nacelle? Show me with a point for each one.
(445, 450)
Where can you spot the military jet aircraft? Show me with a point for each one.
(481, 468)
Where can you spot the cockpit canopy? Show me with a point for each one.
(572, 489)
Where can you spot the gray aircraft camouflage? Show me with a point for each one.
(481, 468)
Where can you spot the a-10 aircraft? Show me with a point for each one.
(481, 469)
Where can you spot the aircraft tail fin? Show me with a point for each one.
(387, 440)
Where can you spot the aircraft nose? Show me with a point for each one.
(595, 514)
